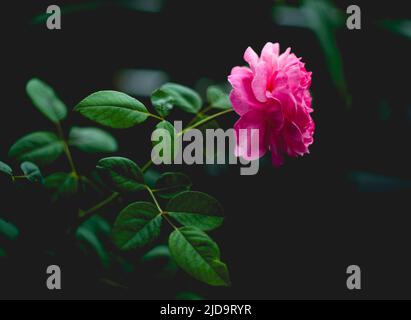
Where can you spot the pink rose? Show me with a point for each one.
(273, 96)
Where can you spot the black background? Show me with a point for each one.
(290, 232)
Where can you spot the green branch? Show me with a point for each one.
(100, 205)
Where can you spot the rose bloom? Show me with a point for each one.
(273, 96)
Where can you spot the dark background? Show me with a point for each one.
(290, 232)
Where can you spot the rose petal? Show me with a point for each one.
(270, 53)
(260, 81)
(274, 98)
(276, 148)
(242, 97)
(251, 57)
(295, 140)
(275, 116)
(249, 140)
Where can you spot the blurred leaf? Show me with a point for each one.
(69, 9)
(137, 225)
(218, 99)
(151, 177)
(182, 97)
(162, 102)
(62, 185)
(41, 148)
(160, 258)
(3, 253)
(323, 18)
(196, 209)
(32, 172)
(174, 146)
(369, 182)
(318, 13)
(6, 169)
(92, 140)
(113, 109)
(143, 5)
(401, 27)
(45, 99)
(8, 230)
(157, 253)
(91, 232)
(290, 16)
(171, 184)
(140, 82)
(189, 296)
(384, 110)
(122, 174)
(197, 254)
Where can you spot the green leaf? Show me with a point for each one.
(122, 174)
(113, 109)
(160, 258)
(324, 19)
(6, 169)
(171, 184)
(197, 254)
(218, 99)
(63, 185)
(189, 296)
(92, 140)
(45, 99)
(196, 209)
(150, 177)
(401, 27)
(91, 233)
(137, 225)
(159, 252)
(41, 148)
(174, 146)
(8, 230)
(162, 102)
(182, 97)
(32, 172)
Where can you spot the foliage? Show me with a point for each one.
(188, 214)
